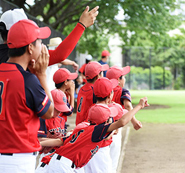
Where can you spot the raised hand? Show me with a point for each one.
(143, 102)
(88, 17)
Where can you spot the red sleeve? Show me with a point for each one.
(67, 46)
(82, 69)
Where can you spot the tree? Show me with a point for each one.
(150, 17)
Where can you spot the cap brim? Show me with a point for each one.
(113, 111)
(105, 67)
(114, 83)
(62, 108)
(73, 76)
(126, 70)
(45, 32)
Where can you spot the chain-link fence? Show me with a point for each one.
(150, 68)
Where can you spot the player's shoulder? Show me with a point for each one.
(30, 79)
(125, 90)
(126, 94)
(86, 88)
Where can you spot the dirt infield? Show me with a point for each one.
(156, 148)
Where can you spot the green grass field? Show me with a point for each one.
(174, 99)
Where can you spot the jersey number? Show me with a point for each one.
(1, 93)
(80, 104)
(75, 136)
(3, 86)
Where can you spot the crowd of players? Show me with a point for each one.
(33, 115)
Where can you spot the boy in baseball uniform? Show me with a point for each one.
(53, 127)
(121, 96)
(24, 96)
(63, 80)
(84, 142)
(86, 97)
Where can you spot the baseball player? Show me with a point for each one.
(53, 127)
(84, 142)
(121, 96)
(10, 17)
(64, 81)
(86, 98)
(101, 162)
(24, 97)
(104, 59)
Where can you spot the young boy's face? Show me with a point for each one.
(122, 81)
(37, 49)
(69, 83)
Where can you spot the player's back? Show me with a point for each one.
(81, 146)
(85, 100)
(17, 120)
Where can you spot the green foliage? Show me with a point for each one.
(143, 23)
(178, 84)
(151, 18)
(140, 76)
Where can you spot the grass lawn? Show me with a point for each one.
(173, 100)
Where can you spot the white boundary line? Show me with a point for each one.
(122, 154)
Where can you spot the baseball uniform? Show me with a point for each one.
(79, 148)
(85, 100)
(22, 100)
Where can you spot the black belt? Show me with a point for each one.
(11, 154)
(59, 157)
(43, 164)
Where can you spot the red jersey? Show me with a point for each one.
(49, 127)
(120, 94)
(85, 100)
(82, 69)
(81, 146)
(52, 125)
(22, 101)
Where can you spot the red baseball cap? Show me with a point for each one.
(62, 74)
(105, 53)
(25, 32)
(60, 100)
(99, 113)
(103, 86)
(93, 68)
(115, 72)
(120, 110)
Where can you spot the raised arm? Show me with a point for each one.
(66, 47)
(136, 124)
(129, 115)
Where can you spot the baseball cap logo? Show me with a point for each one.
(64, 99)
